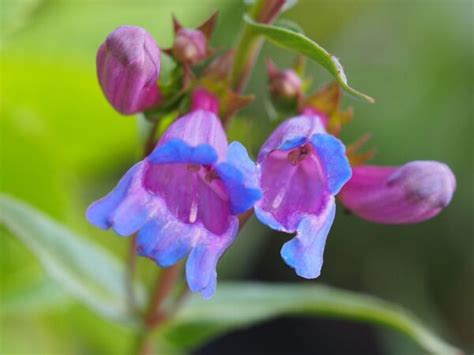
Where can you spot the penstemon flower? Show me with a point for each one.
(302, 169)
(183, 199)
(128, 66)
(411, 193)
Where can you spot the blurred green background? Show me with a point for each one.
(62, 146)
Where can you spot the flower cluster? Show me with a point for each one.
(184, 199)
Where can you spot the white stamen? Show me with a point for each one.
(278, 199)
(194, 211)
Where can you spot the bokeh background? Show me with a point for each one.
(62, 146)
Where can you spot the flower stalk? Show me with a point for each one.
(249, 43)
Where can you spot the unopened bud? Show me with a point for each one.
(412, 193)
(429, 182)
(204, 100)
(190, 46)
(128, 66)
(286, 84)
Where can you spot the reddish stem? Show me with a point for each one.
(164, 286)
(130, 274)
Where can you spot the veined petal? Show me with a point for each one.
(290, 190)
(196, 128)
(305, 251)
(100, 212)
(178, 151)
(191, 193)
(332, 154)
(240, 175)
(292, 133)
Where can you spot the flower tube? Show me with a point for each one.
(184, 198)
(302, 169)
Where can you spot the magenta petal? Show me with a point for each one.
(204, 100)
(412, 193)
(291, 191)
(197, 128)
(189, 195)
(296, 130)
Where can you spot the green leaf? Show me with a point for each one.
(300, 43)
(15, 15)
(85, 270)
(241, 304)
(37, 296)
(287, 6)
(289, 25)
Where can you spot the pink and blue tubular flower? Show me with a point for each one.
(302, 169)
(184, 198)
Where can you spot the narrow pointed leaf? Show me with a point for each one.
(301, 44)
(84, 270)
(236, 305)
(38, 296)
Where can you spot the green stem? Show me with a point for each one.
(247, 49)
(155, 314)
(144, 344)
(249, 45)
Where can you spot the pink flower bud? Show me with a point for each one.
(285, 84)
(412, 193)
(190, 46)
(128, 66)
(204, 100)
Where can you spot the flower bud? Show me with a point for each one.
(204, 100)
(412, 193)
(285, 84)
(128, 66)
(190, 46)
